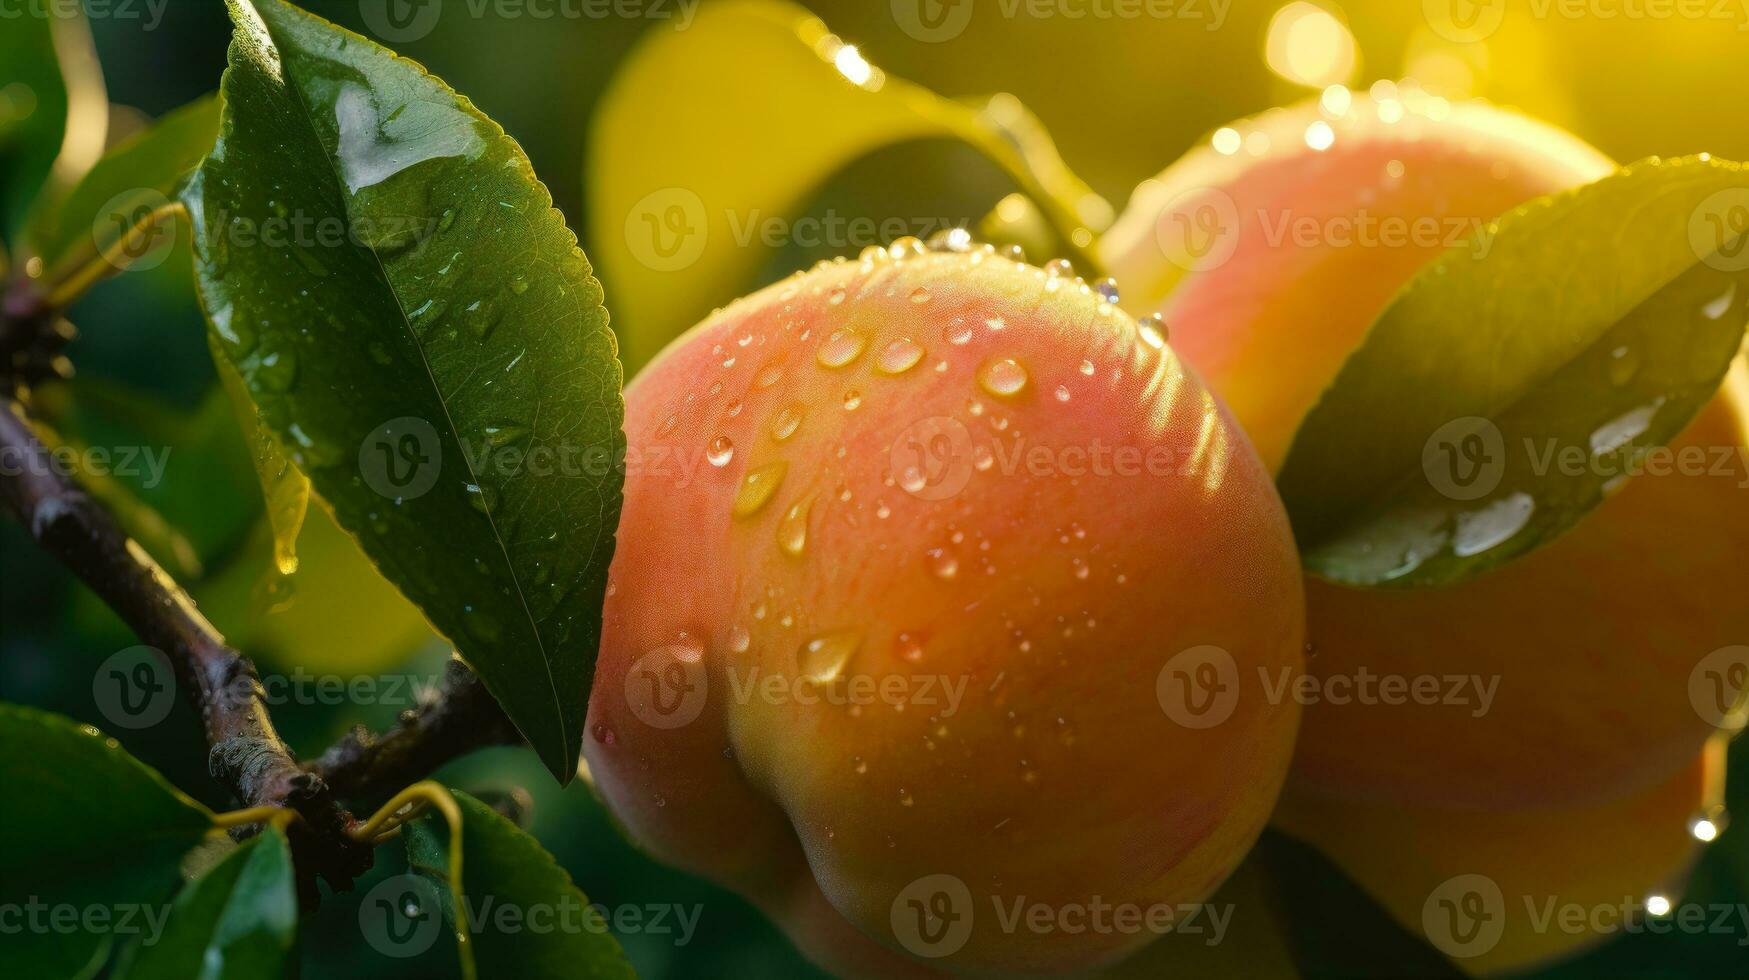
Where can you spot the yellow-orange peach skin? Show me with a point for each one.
(1590, 641)
(945, 471)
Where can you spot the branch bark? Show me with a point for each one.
(246, 753)
(462, 716)
(32, 333)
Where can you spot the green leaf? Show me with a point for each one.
(134, 178)
(524, 916)
(285, 490)
(431, 348)
(684, 167)
(54, 112)
(1517, 379)
(85, 829)
(236, 922)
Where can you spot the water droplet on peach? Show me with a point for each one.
(899, 356)
(787, 421)
(792, 531)
(841, 348)
(1153, 330)
(942, 563)
(758, 487)
(1004, 378)
(822, 659)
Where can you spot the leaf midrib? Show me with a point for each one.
(442, 398)
(1356, 518)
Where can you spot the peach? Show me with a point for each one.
(1506, 890)
(935, 578)
(1269, 270)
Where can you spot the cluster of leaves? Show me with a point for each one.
(456, 315)
(90, 827)
(469, 305)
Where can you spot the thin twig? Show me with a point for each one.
(462, 716)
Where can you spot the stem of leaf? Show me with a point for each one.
(92, 265)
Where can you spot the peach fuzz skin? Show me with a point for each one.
(1052, 593)
(1593, 637)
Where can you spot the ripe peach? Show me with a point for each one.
(1270, 270)
(1482, 885)
(909, 546)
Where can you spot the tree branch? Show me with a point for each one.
(32, 333)
(461, 717)
(247, 755)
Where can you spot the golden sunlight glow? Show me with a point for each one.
(1307, 45)
(852, 65)
(1658, 905)
(1335, 101)
(1319, 136)
(1704, 830)
(1226, 141)
(87, 101)
(1013, 208)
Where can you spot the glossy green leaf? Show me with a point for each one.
(419, 330)
(238, 921)
(54, 112)
(86, 830)
(1518, 379)
(132, 180)
(512, 884)
(707, 133)
(285, 490)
